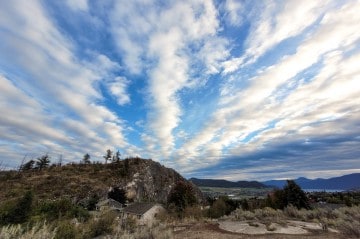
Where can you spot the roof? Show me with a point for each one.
(109, 202)
(139, 208)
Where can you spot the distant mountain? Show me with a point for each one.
(346, 182)
(220, 183)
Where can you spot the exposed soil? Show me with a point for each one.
(212, 231)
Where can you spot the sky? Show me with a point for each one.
(231, 89)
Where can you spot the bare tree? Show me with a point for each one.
(22, 163)
(2, 168)
(60, 160)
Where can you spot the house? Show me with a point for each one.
(145, 213)
(109, 204)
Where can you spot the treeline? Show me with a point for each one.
(291, 194)
(44, 161)
(182, 201)
(348, 198)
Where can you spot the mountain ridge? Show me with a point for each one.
(226, 184)
(344, 182)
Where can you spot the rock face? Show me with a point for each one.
(144, 181)
(147, 180)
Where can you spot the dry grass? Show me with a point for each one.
(345, 219)
(38, 231)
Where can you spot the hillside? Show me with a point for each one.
(346, 182)
(143, 180)
(226, 184)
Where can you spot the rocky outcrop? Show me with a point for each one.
(143, 179)
(147, 180)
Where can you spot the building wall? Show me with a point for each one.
(151, 214)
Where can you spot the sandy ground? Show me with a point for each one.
(259, 228)
(242, 230)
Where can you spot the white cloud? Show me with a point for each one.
(235, 11)
(273, 26)
(172, 38)
(306, 92)
(118, 89)
(64, 86)
(76, 5)
(329, 95)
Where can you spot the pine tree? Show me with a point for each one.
(108, 155)
(27, 166)
(86, 159)
(43, 162)
(116, 157)
(181, 196)
(295, 195)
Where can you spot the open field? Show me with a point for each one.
(236, 193)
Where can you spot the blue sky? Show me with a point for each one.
(241, 90)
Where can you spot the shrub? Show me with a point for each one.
(351, 229)
(92, 201)
(193, 212)
(267, 212)
(66, 230)
(14, 212)
(241, 214)
(293, 212)
(218, 209)
(63, 208)
(129, 224)
(270, 227)
(101, 226)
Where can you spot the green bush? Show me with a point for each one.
(14, 212)
(62, 208)
(218, 209)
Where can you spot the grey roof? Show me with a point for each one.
(109, 202)
(139, 208)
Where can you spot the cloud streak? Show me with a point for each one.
(242, 89)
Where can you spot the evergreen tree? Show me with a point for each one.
(86, 159)
(295, 195)
(108, 155)
(181, 196)
(43, 162)
(291, 194)
(27, 166)
(116, 157)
